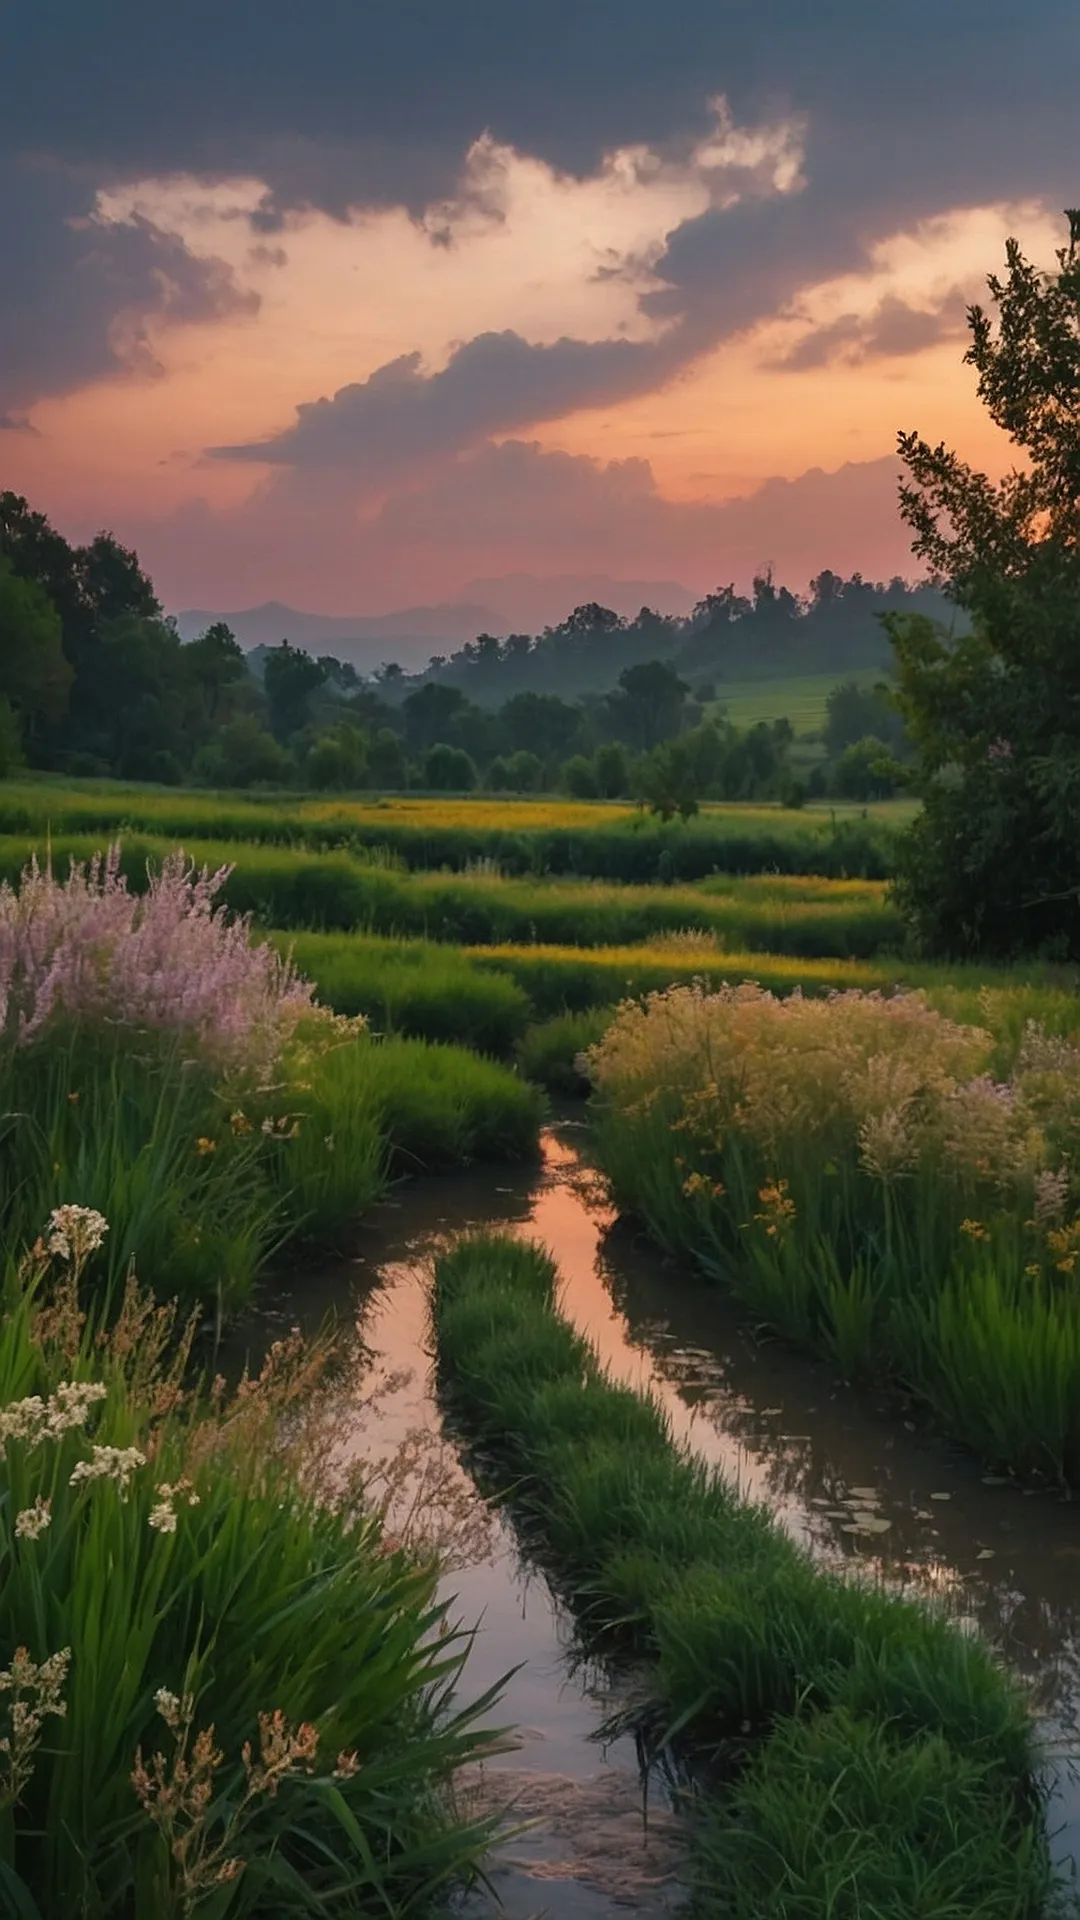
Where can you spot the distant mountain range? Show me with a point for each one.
(510, 603)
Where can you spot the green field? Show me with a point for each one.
(459, 960)
(800, 699)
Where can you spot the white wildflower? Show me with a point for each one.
(109, 1463)
(163, 1517)
(174, 1710)
(75, 1232)
(33, 1419)
(33, 1520)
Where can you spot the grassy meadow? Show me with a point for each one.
(207, 1077)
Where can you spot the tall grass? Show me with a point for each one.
(596, 839)
(414, 987)
(297, 887)
(829, 1703)
(249, 1697)
(854, 1173)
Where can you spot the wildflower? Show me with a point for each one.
(109, 1463)
(162, 1517)
(778, 1209)
(33, 1419)
(887, 1148)
(203, 1146)
(35, 1693)
(345, 1766)
(174, 1711)
(239, 1123)
(33, 1521)
(1051, 1194)
(1033, 1270)
(975, 1229)
(699, 1183)
(75, 1232)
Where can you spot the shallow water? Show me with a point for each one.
(845, 1475)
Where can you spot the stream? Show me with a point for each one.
(1003, 1558)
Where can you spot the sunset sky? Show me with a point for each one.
(347, 303)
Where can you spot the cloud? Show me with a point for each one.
(345, 108)
(894, 330)
(400, 417)
(514, 507)
(82, 295)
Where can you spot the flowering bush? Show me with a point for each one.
(89, 949)
(852, 1166)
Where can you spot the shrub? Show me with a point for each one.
(551, 1052)
(87, 950)
(854, 1171)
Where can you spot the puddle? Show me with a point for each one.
(843, 1474)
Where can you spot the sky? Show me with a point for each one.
(348, 304)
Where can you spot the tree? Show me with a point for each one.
(992, 862)
(34, 675)
(865, 771)
(448, 770)
(243, 754)
(853, 712)
(386, 760)
(669, 780)
(525, 772)
(579, 778)
(290, 677)
(337, 759)
(612, 771)
(217, 669)
(648, 705)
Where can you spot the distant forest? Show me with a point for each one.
(769, 634)
(96, 681)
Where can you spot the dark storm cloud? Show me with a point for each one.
(77, 294)
(338, 105)
(401, 418)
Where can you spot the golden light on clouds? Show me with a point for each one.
(520, 246)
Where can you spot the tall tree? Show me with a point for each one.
(992, 864)
(34, 675)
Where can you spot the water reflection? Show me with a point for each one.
(843, 1473)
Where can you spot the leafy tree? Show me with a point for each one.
(449, 769)
(648, 705)
(525, 772)
(853, 712)
(430, 713)
(337, 759)
(497, 777)
(34, 675)
(669, 780)
(386, 760)
(290, 678)
(992, 862)
(540, 723)
(612, 770)
(865, 771)
(217, 671)
(244, 754)
(579, 778)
